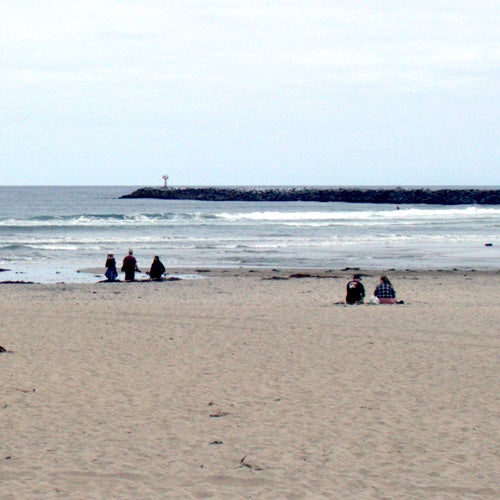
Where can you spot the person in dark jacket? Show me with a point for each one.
(129, 266)
(111, 272)
(157, 269)
(355, 291)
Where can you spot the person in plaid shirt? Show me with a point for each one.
(385, 291)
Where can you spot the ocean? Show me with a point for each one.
(49, 234)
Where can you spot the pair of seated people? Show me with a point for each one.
(384, 291)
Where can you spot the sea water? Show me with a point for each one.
(48, 234)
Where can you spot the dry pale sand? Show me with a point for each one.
(240, 386)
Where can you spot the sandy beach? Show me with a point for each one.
(251, 383)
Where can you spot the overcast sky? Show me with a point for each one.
(237, 92)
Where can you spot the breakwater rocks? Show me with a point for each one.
(397, 196)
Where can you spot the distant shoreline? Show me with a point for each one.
(92, 276)
(395, 196)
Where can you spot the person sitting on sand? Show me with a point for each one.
(355, 291)
(385, 292)
(129, 266)
(111, 272)
(157, 269)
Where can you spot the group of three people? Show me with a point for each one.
(129, 267)
(384, 292)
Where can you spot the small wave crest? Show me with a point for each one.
(106, 220)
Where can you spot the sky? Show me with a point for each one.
(237, 92)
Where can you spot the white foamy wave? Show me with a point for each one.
(320, 218)
(447, 213)
(371, 216)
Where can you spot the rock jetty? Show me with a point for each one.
(395, 196)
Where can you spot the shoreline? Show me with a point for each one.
(95, 275)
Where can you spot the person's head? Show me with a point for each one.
(384, 279)
(357, 277)
(130, 251)
(110, 255)
(156, 257)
